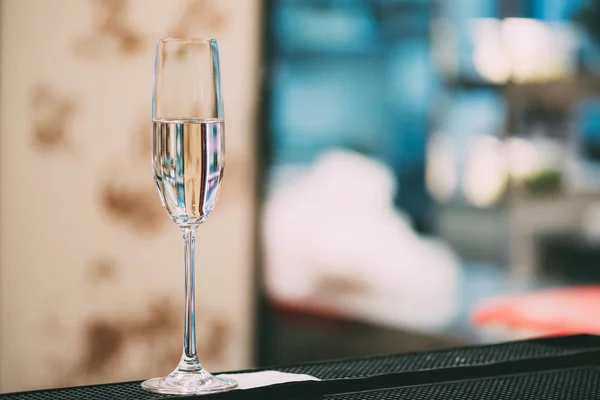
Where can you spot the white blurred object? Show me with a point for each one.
(538, 52)
(523, 50)
(490, 56)
(591, 221)
(485, 177)
(251, 380)
(441, 173)
(528, 156)
(333, 237)
(523, 158)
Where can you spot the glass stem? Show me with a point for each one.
(189, 359)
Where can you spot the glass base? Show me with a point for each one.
(188, 383)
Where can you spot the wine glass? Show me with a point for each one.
(188, 140)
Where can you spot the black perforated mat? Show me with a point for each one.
(576, 384)
(561, 368)
(450, 358)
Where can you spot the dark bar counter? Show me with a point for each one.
(560, 368)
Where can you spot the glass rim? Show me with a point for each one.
(186, 40)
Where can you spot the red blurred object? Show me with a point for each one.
(563, 311)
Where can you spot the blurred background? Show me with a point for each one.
(401, 175)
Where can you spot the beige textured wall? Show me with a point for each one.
(91, 274)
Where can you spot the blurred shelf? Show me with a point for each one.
(570, 256)
(298, 336)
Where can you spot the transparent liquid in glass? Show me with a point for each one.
(188, 161)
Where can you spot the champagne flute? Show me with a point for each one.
(188, 141)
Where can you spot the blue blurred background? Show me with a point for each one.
(425, 164)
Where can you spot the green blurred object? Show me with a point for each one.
(544, 182)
